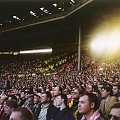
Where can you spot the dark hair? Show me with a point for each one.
(48, 94)
(12, 104)
(37, 95)
(64, 96)
(26, 114)
(108, 88)
(116, 105)
(13, 97)
(93, 98)
(79, 90)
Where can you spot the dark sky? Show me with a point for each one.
(62, 32)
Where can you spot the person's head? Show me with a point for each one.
(37, 98)
(57, 90)
(89, 88)
(106, 91)
(61, 99)
(76, 93)
(116, 89)
(88, 102)
(46, 97)
(12, 97)
(30, 99)
(23, 94)
(21, 113)
(115, 112)
(100, 87)
(66, 91)
(9, 106)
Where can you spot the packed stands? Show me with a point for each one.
(41, 73)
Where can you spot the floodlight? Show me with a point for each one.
(37, 51)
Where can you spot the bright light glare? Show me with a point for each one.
(114, 42)
(104, 38)
(37, 51)
(99, 44)
(107, 42)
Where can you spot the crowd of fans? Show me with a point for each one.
(51, 88)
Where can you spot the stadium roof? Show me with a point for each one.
(27, 24)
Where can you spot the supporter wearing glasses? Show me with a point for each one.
(115, 112)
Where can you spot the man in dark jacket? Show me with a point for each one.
(46, 110)
(65, 112)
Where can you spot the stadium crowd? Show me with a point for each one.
(51, 88)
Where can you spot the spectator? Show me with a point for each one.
(47, 110)
(9, 106)
(22, 98)
(57, 92)
(21, 113)
(107, 102)
(115, 112)
(37, 103)
(65, 113)
(29, 102)
(74, 102)
(88, 106)
(100, 87)
(116, 91)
